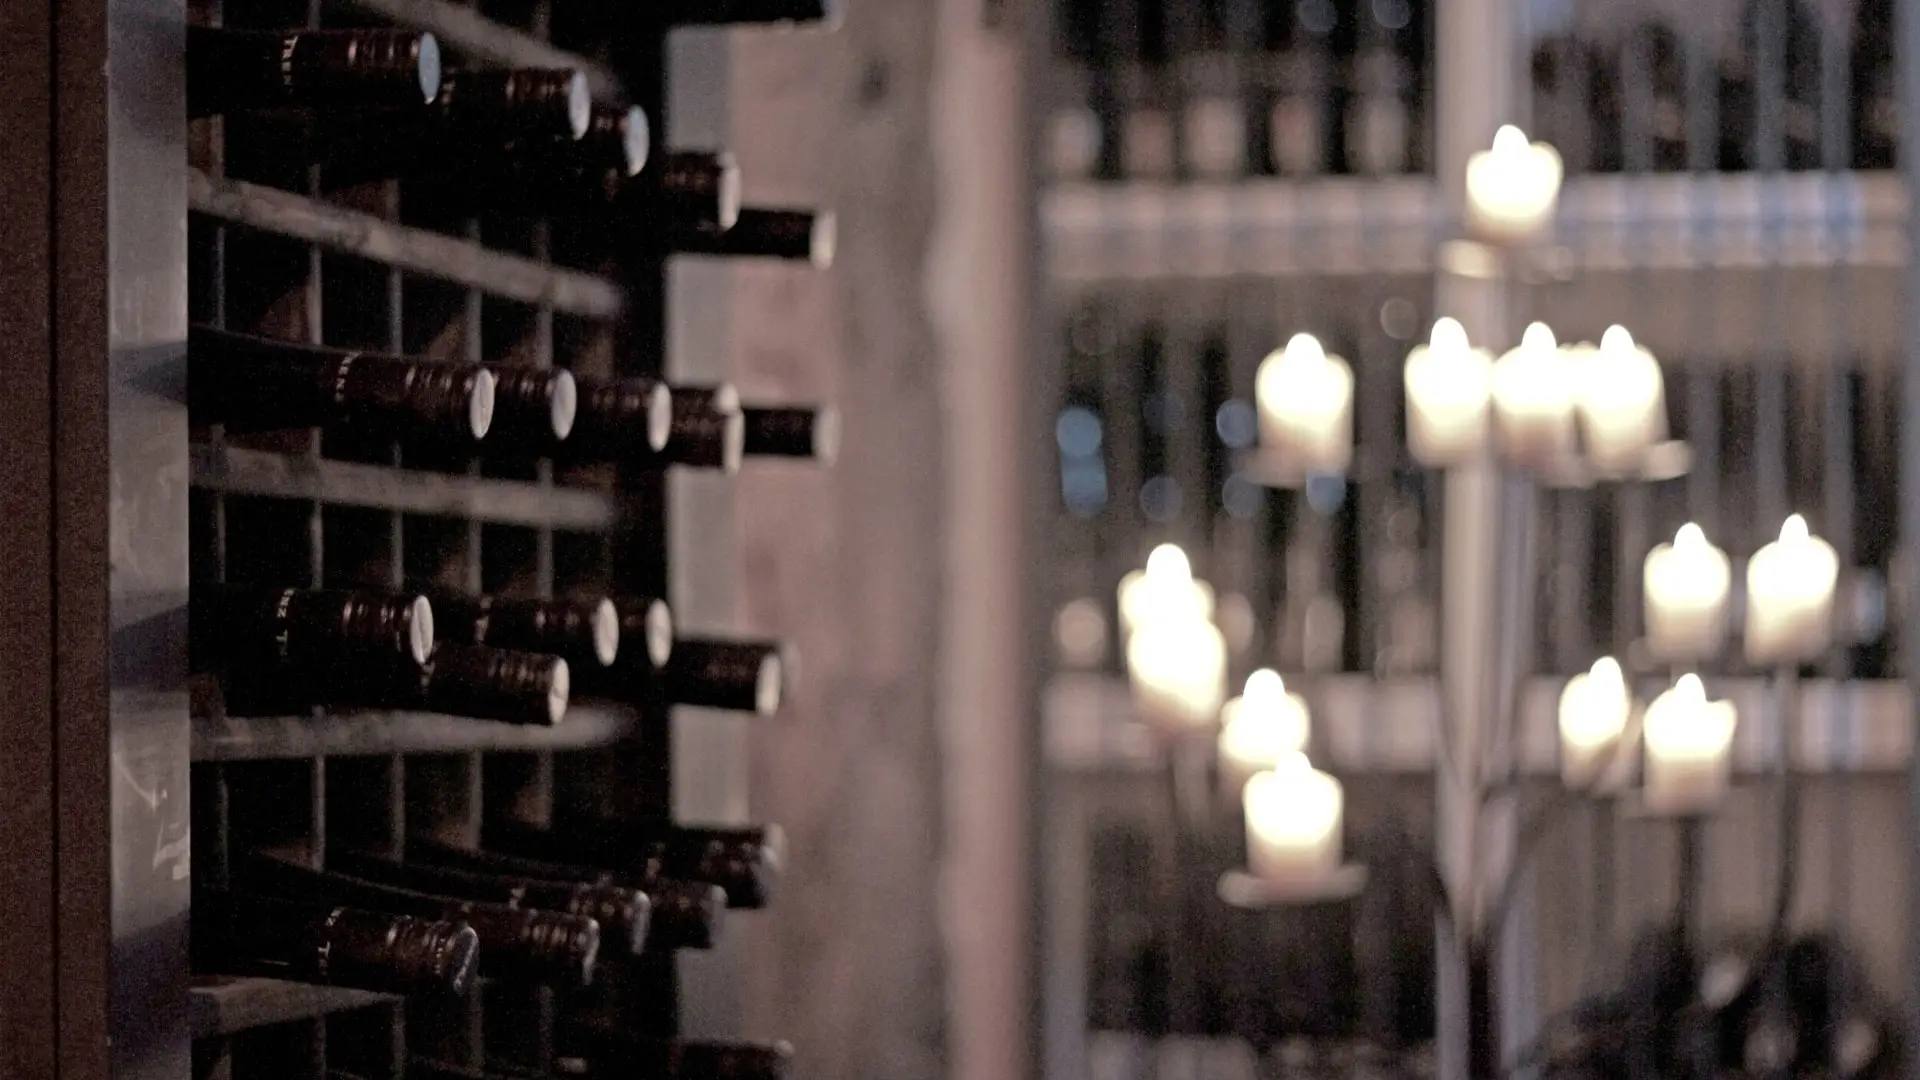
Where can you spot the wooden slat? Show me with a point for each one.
(415, 251)
(230, 1005)
(235, 738)
(232, 471)
(467, 32)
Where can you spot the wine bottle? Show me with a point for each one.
(743, 676)
(314, 942)
(507, 685)
(582, 630)
(1296, 88)
(1875, 97)
(746, 861)
(251, 626)
(254, 383)
(618, 420)
(232, 70)
(646, 620)
(706, 431)
(1377, 123)
(799, 432)
(686, 914)
(684, 189)
(515, 103)
(760, 232)
(516, 943)
(533, 408)
(623, 913)
(598, 1052)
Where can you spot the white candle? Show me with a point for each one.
(1306, 405)
(1622, 401)
(1449, 387)
(1533, 400)
(1260, 727)
(1178, 671)
(1165, 589)
(1593, 716)
(1294, 817)
(1512, 188)
(1790, 585)
(1689, 749)
(1686, 584)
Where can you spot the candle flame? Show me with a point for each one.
(1538, 337)
(1794, 530)
(1448, 335)
(1690, 687)
(1607, 670)
(1616, 341)
(1690, 535)
(1509, 140)
(1304, 349)
(1168, 563)
(1264, 688)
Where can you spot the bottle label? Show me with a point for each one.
(323, 956)
(288, 46)
(340, 376)
(281, 631)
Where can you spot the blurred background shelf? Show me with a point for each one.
(227, 1006)
(245, 738)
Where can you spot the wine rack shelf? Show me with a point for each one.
(1706, 221)
(252, 738)
(230, 470)
(411, 250)
(229, 1006)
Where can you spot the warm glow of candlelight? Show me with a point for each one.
(1294, 814)
(1261, 727)
(1790, 587)
(1622, 401)
(1533, 396)
(1513, 186)
(1166, 589)
(1594, 709)
(1449, 388)
(1689, 748)
(1686, 586)
(1305, 400)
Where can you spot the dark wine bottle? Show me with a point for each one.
(582, 630)
(616, 420)
(1377, 120)
(254, 383)
(682, 190)
(233, 70)
(760, 232)
(259, 627)
(706, 431)
(595, 1052)
(743, 676)
(516, 943)
(314, 942)
(1875, 97)
(623, 913)
(1297, 87)
(686, 914)
(494, 684)
(811, 432)
(533, 408)
(515, 103)
(746, 861)
(644, 619)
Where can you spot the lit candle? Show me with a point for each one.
(1165, 589)
(1790, 585)
(1623, 402)
(1260, 727)
(1449, 385)
(1593, 715)
(1686, 584)
(1178, 670)
(1306, 405)
(1533, 399)
(1293, 822)
(1511, 189)
(1689, 748)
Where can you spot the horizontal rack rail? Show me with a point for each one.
(1140, 231)
(342, 734)
(417, 251)
(465, 31)
(232, 470)
(1363, 724)
(230, 1005)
